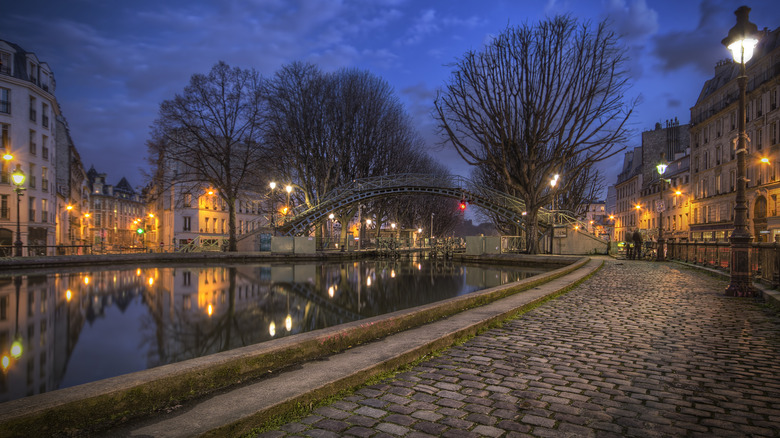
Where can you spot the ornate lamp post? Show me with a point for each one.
(272, 185)
(18, 179)
(661, 168)
(553, 183)
(741, 41)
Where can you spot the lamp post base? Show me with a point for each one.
(741, 284)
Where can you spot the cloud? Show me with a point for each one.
(423, 26)
(632, 19)
(699, 47)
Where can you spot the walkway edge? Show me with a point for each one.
(109, 403)
(239, 411)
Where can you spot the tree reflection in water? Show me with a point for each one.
(82, 326)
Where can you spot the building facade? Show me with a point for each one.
(28, 110)
(192, 212)
(714, 134)
(72, 192)
(115, 214)
(627, 189)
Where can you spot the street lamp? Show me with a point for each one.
(741, 41)
(18, 179)
(661, 168)
(272, 185)
(553, 183)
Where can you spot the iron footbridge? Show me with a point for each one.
(501, 204)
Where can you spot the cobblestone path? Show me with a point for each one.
(640, 349)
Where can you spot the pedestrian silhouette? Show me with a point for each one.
(637, 245)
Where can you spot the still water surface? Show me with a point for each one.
(80, 326)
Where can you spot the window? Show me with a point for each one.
(32, 209)
(732, 180)
(45, 115)
(5, 212)
(5, 100)
(32, 183)
(33, 73)
(45, 147)
(33, 146)
(5, 172)
(773, 133)
(733, 120)
(187, 226)
(5, 63)
(45, 179)
(44, 210)
(759, 139)
(33, 110)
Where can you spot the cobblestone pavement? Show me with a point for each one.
(640, 349)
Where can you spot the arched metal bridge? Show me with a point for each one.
(509, 207)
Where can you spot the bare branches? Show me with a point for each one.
(535, 99)
(212, 133)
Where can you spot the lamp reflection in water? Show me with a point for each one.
(16, 346)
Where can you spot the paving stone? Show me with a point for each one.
(359, 431)
(370, 412)
(392, 429)
(429, 427)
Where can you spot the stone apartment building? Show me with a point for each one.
(28, 110)
(638, 186)
(116, 212)
(714, 139)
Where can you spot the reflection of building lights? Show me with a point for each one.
(419, 267)
(6, 362)
(68, 295)
(210, 310)
(368, 281)
(272, 329)
(86, 280)
(331, 291)
(392, 273)
(288, 323)
(151, 281)
(138, 272)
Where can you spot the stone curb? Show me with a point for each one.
(101, 404)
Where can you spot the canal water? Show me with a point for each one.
(67, 328)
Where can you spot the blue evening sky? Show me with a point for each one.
(115, 61)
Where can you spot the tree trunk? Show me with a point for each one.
(232, 225)
(532, 243)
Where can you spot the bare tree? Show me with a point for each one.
(327, 130)
(210, 134)
(534, 99)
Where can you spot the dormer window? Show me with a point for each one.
(5, 63)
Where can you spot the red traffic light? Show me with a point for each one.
(462, 205)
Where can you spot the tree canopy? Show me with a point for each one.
(537, 100)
